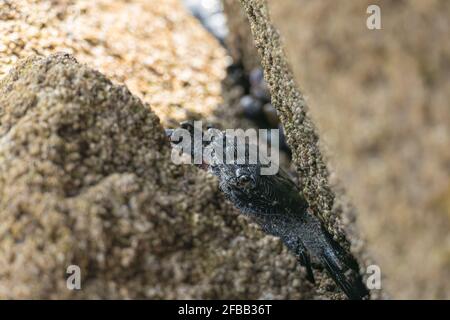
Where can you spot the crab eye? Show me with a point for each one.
(244, 180)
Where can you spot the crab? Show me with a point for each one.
(276, 203)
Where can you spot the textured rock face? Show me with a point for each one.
(162, 54)
(380, 101)
(86, 179)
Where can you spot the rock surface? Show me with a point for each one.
(380, 99)
(162, 53)
(86, 179)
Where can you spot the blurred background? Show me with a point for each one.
(380, 98)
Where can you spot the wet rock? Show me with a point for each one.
(256, 77)
(256, 105)
(271, 115)
(259, 88)
(251, 107)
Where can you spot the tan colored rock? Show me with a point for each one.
(380, 100)
(156, 48)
